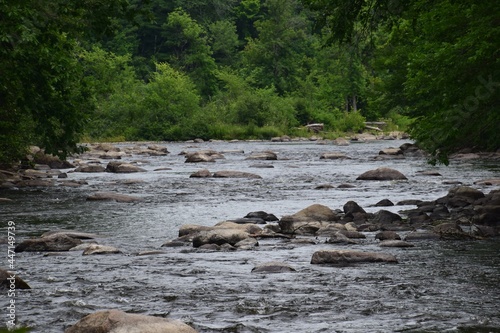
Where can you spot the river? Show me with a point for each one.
(437, 286)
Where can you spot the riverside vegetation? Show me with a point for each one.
(176, 70)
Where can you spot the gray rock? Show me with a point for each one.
(273, 267)
(53, 243)
(199, 157)
(387, 235)
(382, 174)
(342, 257)
(235, 174)
(395, 243)
(115, 321)
(100, 249)
(8, 278)
(384, 203)
(340, 238)
(71, 233)
(120, 167)
(108, 196)
(219, 237)
(90, 168)
(266, 155)
(203, 173)
(333, 156)
(386, 217)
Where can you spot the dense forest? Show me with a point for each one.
(225, 69)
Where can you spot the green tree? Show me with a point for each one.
(44, 98)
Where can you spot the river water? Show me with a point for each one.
(437, 286)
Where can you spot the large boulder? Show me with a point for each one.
(382, 174)
(333, 156)
(342, 257)
(384, 217)
(220, 236)
(199, 157)
(55, 243)
(387, 235)
(9, 280)
(90, 168)
(265, 155)
(316, 212)
(115, 321)
(308, 220)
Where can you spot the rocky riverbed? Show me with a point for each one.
(282, 236)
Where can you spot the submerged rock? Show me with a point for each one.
(395, 243)
(108, 196)
(116, 321)
(53, 243)
(100, 249)
(273, 267)
(350, 257)
(235, 174)
(387, 235)
(10, 281)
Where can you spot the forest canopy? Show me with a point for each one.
(176, 70)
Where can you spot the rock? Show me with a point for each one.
(429, 173)
(235, 174)
(465, 192)
(247, 244)
(352, 234)
(249, 228)
(106, 147)
(81, 247)
(90, 168)
(52, 161)
(351, 226)
(340, 142)
(10, 281)
(262, 215)
(383, 217)
(199, 157)
(421, 235)
(100, 249)
(387, 235)
(333, 156)
(318, 127)
(273, 267)
(324, 187)
(203, 173)
(119, 167)
(384, 203)
(391, 151)
(70, 233)
(488, 182)
(158, 148)
(410, 202)
(308, 220)
(450, 231)
(382, 174)
(108, 196)
(340, 238)
(53, 243)
(191, 229)
(219, 236)
(352, 207)
(266, 155)
(316, 212)
(484, 231)
(395, 243)
(343, 257)
(248, 220)
(346, 186)
(115, 321)
(330, 230)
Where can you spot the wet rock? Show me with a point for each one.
(273, 267)
(262, 215)
(382, 174)
(346, 186)
(266, 155)
(384, 217)
(395, 243)
(316, 212)
(190, 229)
(352, 207)
(391, 151)
(149, 253)
(484, 231)
(175, 243)
(53, 243)
(247, 227)
(219, 236)
(70, 233)
(352, 234)
(409, 202)
(450, 231)
(119, 167)
(235, 174)
(90, 168)
(199, 157)
(387, 235)
(308, 220)
(324, 187)
(100, 249)
(342, 257)
(62, 175)
(333, 156)
(248, 220)
(36, 183)
(158, 148)
(247, 244)
(203, 173)
(109, 196)
(340, 238)
(6, 200)
(351, 226)
(81, 247)
(428, 173)
(330, 229)
(10, 281)
(106, 147)
(384, 203)
(52, 161)
(488, 182)
(421, 235)
(115, 321)
(465, 192)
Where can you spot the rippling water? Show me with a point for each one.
(436, 287)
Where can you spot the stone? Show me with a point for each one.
(395, 243)
(235, 174)
(488, 182)
(449, 230)
(466, 192)
(52, 161)
(333, 156)
(421, 235)
(316, 212)
(330, 229)
(262, 215)
(352, 207)
(383, 217)
(266, 155)
(343, 257)
(382, 174)
(340, 142)
(53, 243)
(116, 321)
(70, 233)
(387, 235)
(109, 196)
(8, 278)
(391, 151)
(273, 267)
(199, 157)
(247, 244)
(90, 168)
(219, 236)
(340, 238)
(352, 234)
(106, 147)
(119, 167)
(384, 203)
(203, 173)
(346, 186)
(100, 249)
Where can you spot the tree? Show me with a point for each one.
(44, 98)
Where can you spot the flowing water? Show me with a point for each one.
(437, 286)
